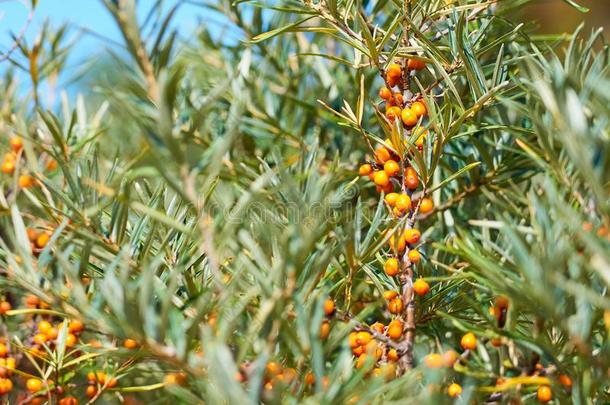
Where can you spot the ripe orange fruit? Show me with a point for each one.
(365, 169)
(411, 179)
(33, 385)
(419, 108)
(42, 240)
(329, 307)
(26, 181)
(398, 245)
(385, 93)
(363, 338)
(454, 390)
(390, 199)
(393, 71)
(391, 267)
(324, 329)
(502, 302)
(565, 380)
(403, 202)
(382, 155)
(5, 306)
(414, 256)
(390, 294)
(395, 306)
(391, 168)
(469, 341)
(433, 360)
(426, 205)
(44, 326)
(75, 326)
(16, 143)
(52, 334)
(393, 113)
(40, 338)
(398, 213)
(381, 178)
(544, 394)
(91, 391)
(3, 350)
(388, 188)
(450, 357)
(70, 340)
(421, 287)
(6, 386)
(395, 329)
(68, 401)
(412, 236)
(409, 118)
(393, 355)
(414, 64)
(130, 344)
(421, 137)
(8, 167)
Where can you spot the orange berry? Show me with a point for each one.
(44, 326)
(412, 236)
(32, 301)
(6, 386)
(70, 340)
(100, 377)
(91, 391)
(385, 189)
(390, 199)
(51, 334)
(365, 170)
(502, 302)
(8, 167)
(565, 380)
(391, 168)
(391, 267)
(400, 244)
(395, 329)
(403, 202)
(393, 71)
(393, 355)
(363, 338)
(75, 326)
(450, 357)
(324, 329)
(26, 181)
(130, 344)
(385, 93)
(310, 379)
(395, 306)
(42, 240)
(421, 139)
(415, 64)
(414, 256)
(68, 401)
(393, 113)
(420, 287)
(33, 385)
(390, 294)
(16, 143)
(426, 205)
(433, 360)
(469, 341)
(5, 306)
(544, 394)
(329, 307)
(454, 390)
(358, 350)
(113, 382)
(40, 338)
(398, 213)
(419, 108)
(409, 118)
(411, 179)
(3, 350)
(381, 178)
(353, 339)
(382, 155)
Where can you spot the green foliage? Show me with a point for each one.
(206, 203)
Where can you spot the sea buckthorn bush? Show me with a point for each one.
(323, 202)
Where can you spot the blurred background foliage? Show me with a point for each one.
(205, 204)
